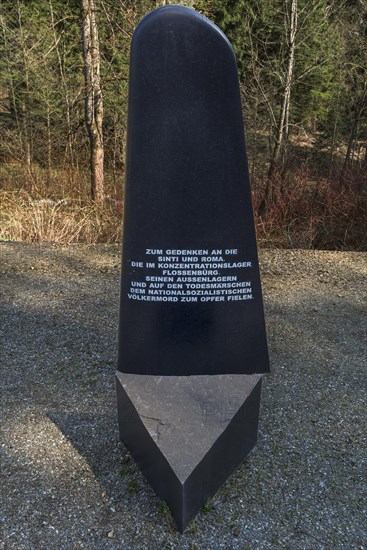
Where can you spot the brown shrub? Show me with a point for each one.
(323, 214)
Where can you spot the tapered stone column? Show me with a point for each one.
(192, 342)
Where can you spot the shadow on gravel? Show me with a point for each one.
(75, 258)
(95, 437)
(303, 486)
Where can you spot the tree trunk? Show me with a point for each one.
(353, 136)
(25, 105)
(49, 145)
(93, 97)
(333, 141)
(254, 147)
(70, 148)
(13, 107)
(282, 130)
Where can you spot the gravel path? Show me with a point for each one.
(68, 482)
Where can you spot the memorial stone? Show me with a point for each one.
(192, 342)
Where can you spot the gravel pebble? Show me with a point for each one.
(67, 481)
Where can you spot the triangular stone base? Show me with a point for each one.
(188, 433)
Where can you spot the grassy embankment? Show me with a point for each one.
(311, 209)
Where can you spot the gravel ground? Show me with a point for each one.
(69, 483)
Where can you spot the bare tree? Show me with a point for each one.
(13, 108)
(282, 129)
(25, 107)
(93, 97)
(66, 92)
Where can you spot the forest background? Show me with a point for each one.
(63, 109)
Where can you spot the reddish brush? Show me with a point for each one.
(319, 214)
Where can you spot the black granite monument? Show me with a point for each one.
(192, 343)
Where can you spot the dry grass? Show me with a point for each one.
(33, 218)
(308, 210)
(39, 206)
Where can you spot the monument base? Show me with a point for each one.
(188, 433)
